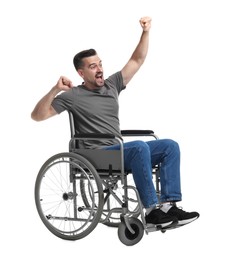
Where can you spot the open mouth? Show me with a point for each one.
(99, 76)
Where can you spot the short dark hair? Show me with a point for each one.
(77, 60)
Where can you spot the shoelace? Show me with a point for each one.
(174, 206)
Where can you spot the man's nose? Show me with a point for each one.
(99, 68)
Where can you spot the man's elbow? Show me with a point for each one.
(35, 117)
(40, 116)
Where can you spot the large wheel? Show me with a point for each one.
(64, 183)
(128, 238)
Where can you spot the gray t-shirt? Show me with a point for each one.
(94, 111)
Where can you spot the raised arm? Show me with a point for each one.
(139, 54)
(43, 109)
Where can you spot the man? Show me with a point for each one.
(94, 105)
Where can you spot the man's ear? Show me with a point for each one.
(80, 72)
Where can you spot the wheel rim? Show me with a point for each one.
(59, 197)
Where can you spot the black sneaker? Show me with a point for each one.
(182, 216)
(160, 219)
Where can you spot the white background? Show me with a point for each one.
(181, 92)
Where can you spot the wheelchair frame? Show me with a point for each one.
(76, 190)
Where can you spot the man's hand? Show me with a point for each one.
(43, 108)
(64, 84)
(145, 23)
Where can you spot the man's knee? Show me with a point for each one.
(172, 146)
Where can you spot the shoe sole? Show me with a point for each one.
(186, 221)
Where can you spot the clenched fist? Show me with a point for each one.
(145, 23)
(64, 83)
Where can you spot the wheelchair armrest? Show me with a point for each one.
(136, 132)
(95, 136)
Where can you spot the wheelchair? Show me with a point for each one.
(76, 190)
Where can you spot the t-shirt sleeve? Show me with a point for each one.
(116, 80)
(63, 102)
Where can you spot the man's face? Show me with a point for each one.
(92, 72)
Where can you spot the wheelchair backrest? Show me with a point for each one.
(102, 160)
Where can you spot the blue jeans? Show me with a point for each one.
(140, 157)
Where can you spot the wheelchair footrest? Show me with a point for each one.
(152, 228)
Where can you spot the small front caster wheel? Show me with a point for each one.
(128, 238)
